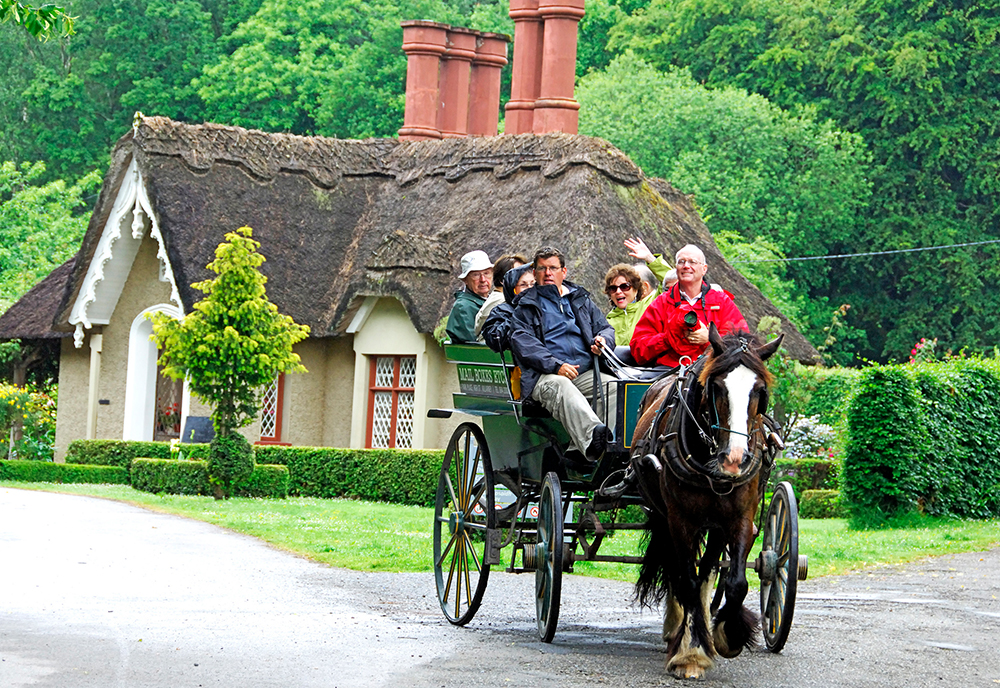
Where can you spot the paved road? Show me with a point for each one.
(96, 593)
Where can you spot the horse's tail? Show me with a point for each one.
(653, 583)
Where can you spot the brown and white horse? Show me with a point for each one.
(698, 469)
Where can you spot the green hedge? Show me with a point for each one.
(400, 476)
(821, 504)
(122, 452)
(170, 476)
(806, 474)
(191, 478)
(267, 480)
(48, 472)
(828, 399)
(925, 437)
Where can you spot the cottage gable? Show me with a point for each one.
(131, 217)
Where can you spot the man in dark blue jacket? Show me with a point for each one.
(554, 330)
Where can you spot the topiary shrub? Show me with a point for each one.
(230, 461)
(821, 504)
(48, 472)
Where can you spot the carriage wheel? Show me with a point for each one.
(549, 553)
(463, 515)
(778, 567)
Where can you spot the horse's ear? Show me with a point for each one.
(767, 350)
(715, 339)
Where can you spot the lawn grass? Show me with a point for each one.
(367, 536)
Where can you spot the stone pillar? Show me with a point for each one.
(93, 387)
(424, 44)
(555, 108)
(456, 73)
(484, 93)
(527, 76)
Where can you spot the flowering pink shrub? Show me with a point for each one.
(923, 351)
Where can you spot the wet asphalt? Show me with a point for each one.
(98, 593)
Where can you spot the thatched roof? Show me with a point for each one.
(340, 220)
(31, 316)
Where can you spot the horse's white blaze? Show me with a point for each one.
(739, 383)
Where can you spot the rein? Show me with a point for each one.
(672, 446)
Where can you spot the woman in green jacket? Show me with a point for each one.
(627, 290)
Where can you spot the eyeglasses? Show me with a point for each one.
(548, 270)
(685, 261)
(612, 288)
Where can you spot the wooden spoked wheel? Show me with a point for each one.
(549, 557)
(779, 567)
(463, 516)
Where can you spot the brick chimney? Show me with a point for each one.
(555, 108)
(452, 81)
(541, 91)
(527, 76)
(484, 91)
(424, 43)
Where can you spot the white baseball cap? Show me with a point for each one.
(474, 260)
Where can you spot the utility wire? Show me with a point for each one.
(872, 253)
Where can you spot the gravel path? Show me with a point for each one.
(98, 593)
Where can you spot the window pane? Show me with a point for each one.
(269, 412)
(408, 372)
(381, 419)
(383, 371)
(404, 420)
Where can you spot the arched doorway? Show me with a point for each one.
(154, 404)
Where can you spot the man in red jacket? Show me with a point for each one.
(676, 323)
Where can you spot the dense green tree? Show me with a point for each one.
(918, 81)
(41, 225)
(66, 101)
(756, 171)
(331, 67)
(41, 22)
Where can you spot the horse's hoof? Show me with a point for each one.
(689, 671)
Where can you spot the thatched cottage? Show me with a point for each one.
(362, 240)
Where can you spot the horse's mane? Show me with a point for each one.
(737, 348)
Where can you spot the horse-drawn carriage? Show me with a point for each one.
(513, 484)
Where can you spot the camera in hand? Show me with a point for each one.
(691, 320)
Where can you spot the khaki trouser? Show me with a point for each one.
(567, 401)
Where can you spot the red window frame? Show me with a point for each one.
(279, 407)
(395, 389)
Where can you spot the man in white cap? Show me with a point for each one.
(477, 273)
